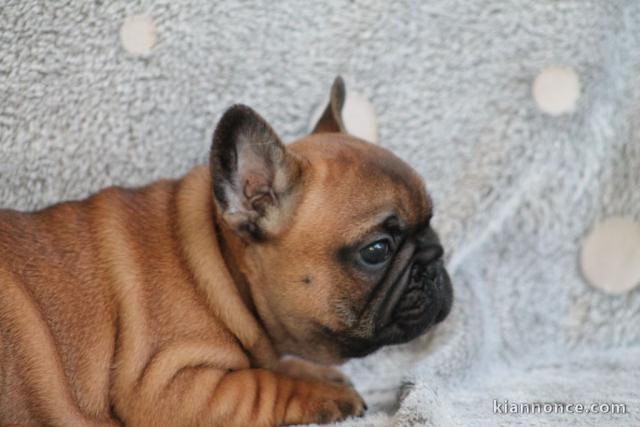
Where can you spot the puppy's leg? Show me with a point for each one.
(295, 367)
(291, 401)
(257, 397)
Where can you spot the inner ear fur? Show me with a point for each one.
(254, 176)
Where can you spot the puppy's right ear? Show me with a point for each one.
(254, 176)
(331, 119)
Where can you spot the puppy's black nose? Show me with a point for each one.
(427, 254)
(428, 246)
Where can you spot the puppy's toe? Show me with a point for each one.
(345, 403)
(351, 406)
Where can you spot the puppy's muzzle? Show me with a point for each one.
(427, 295)
(422, 296)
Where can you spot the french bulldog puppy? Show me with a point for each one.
(174, 304)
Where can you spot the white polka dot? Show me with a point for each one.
(610, 255)
(556, 90)
(359, 117)
(138, 35)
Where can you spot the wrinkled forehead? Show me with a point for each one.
(360, 184)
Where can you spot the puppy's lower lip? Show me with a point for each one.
(442, 314)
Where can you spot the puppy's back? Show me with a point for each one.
(56, 315)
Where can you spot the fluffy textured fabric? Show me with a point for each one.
(515, 190)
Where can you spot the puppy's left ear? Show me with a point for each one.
(254, 177)
(331, 119)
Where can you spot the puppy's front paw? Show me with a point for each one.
(332, 403)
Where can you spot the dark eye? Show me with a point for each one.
(377, 252)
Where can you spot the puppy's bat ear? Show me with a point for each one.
(331, 119)
(254, 177)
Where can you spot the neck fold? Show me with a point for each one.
(217, 276)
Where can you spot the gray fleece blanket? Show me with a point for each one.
(515, 190)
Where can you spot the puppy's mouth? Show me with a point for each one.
(420, 298)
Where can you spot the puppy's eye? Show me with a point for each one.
(377, 252)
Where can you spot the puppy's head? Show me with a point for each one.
(336, 243)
